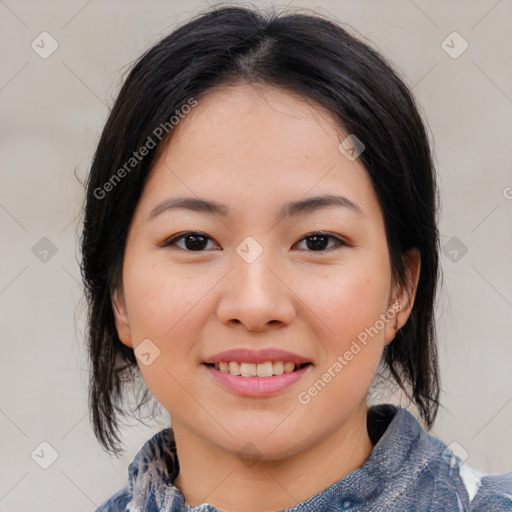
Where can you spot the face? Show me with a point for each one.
(262, 279)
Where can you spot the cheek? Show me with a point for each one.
(348, 305)
(347, 300)
(162, 296)
(164, 314)
(169, 305)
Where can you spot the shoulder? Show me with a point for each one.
(117, 502)
(465, 485)
(483, 492)
(423, 473)
(478, 491)
(494, 493)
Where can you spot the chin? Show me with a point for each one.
(265, 444)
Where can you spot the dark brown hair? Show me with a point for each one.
(321, 61)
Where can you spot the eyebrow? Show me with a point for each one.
(291, 209)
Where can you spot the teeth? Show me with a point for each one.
(278, 368)
(234, 368)
(266, 369)
(289, 367)
(248, 369)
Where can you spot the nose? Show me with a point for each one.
(256, 295)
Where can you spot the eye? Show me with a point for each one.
(192, 241)
(318, 242)
(197, 241)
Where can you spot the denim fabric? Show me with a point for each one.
(408, 470)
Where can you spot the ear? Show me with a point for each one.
(121, 319)
(402, 299)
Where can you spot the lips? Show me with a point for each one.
(272, 355)
(256, 373)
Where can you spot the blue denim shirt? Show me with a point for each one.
(407, 470)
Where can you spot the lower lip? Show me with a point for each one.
(257, 386)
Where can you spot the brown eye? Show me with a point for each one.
(192, 241)
(317, 242)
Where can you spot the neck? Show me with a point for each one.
(209, 473)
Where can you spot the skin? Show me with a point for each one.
(254, 149)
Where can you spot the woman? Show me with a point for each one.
(260, 246)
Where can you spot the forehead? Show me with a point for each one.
(245, 143)
(260, 120)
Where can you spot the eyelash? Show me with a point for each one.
(170, 242)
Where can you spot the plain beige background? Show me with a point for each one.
(52, 111)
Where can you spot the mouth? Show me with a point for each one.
(263, 370)
(256, 380)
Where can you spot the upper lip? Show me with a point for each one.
(256, 356)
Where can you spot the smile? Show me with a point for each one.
(256, 382)
(266, 369)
